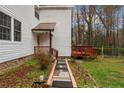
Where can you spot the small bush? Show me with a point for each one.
(44, 60)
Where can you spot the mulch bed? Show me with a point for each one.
(16, 78)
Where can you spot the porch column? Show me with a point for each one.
(38, 39)
(50, 41)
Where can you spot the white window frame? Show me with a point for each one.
(7, 28)
(17, 31)
(12, 28)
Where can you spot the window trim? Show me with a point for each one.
(14, 19)
(8, 27)
(12, 30)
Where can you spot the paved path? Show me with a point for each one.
(62, 77)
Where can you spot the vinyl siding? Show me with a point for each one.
(61, 39)
(10, 50)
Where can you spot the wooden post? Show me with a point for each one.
(38, 39)
(35, 50)
(102, 52)
(50, 35)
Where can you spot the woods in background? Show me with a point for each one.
(99, 26)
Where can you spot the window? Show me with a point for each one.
(5, 26)
(36, 11)
(17, 30)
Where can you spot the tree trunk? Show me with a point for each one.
(79, 30)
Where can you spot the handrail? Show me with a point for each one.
(55, 53)
(39, 49)
(52, 51)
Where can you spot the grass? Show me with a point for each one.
(107, 72)
(23, 76)
(36, 71)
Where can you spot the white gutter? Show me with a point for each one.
(55, 6)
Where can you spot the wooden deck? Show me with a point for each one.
(83, 51)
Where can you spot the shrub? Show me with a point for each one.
(44, 60)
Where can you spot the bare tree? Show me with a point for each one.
(87, 13)
(100, 26)
(78, 25)
(105, 14)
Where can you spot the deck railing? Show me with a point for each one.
(46, 50)
(83, 51)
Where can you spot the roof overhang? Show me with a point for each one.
(55, 6)
(44, 27)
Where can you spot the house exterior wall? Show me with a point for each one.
(10, 50)
(61, 39)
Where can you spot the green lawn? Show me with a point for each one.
(107, 72)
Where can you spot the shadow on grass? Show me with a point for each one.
(86, 59)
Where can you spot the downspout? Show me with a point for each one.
(71, 30)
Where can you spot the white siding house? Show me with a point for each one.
(61, 39)
(25, 15)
